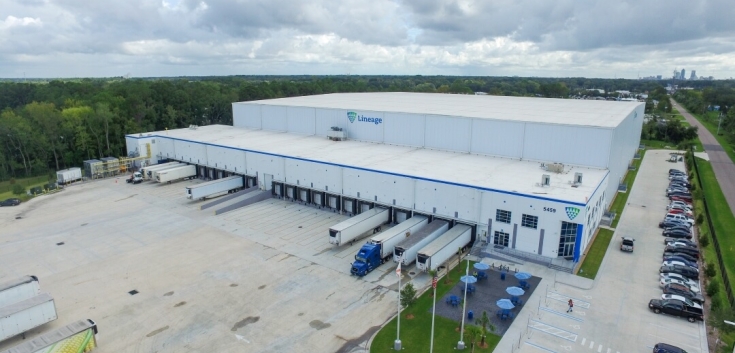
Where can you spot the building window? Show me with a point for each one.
(502, 216)
(567, 239)
(529, 221)
(501, 238)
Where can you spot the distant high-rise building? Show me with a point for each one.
(683, 74)
(694, 75)
(658, 77)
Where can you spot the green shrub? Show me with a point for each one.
(703, 240)
(716, 303)
(408, 295)
(713, 287)
(710, 271)
(18, 189)
(700, 219)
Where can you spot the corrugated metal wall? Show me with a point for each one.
(585, 146)
(246, 115)
(497, 138)
(625, 142)
(226, 159)
(165, 148)
(302, 120)
(365, 130)
(191, 152)
(448, 133)
(261, 163)
(326, 118)
(404, 129)
(274, 118)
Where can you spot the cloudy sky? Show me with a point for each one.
(83, 38)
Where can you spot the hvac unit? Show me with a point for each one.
(545, 180)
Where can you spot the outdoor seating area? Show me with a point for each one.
(500, 292)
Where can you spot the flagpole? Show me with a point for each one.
(433, 312)
(460, 344)
(397, 343)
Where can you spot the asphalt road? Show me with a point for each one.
(721, 163)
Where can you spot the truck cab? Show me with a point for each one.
(367, 259)
(627, 244)
(135, 178)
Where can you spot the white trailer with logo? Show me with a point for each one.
(443, 248)
(356, 227)
(406, 251)
(148, 171)
(175, 174)
(17, 318)
(18, 290)
(214, 188)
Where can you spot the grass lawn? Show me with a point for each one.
(28, 183)
(709, 120)
(594, 257)
(415, 332)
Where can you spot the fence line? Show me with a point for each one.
(718, 251)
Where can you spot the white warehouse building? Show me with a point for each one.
(529, 174)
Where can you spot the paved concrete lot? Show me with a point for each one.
(611, 315)
(263, 278)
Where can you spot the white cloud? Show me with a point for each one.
(12, 21)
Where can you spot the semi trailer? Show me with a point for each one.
(214, 188)
(406, 251)
(175, 174)
(379, 248)
(441, 249)
(18, 290)
(148, 171)
(356, 227)
(17, 318)
(67, 176)
(75, 337)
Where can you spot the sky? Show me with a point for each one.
(547, 38)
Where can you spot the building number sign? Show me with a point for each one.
(549, 209)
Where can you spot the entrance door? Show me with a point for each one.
(501, 238)
(267, 182)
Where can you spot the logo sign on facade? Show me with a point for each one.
(572, 212)
(352, 116)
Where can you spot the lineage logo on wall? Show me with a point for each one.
(572, 212)
(352, 116)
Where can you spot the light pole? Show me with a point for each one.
(719, 122)
(397, 343)
(460, 344)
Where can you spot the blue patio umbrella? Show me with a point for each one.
(523, 276)
(515, 291)
(468, 279)
(505, 304)
(481, 266)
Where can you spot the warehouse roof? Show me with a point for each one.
(539, 110)
(489, 173)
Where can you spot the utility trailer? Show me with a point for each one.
(18, 290)
(148, 171)
(75, 337)
(379, 249)
(443, 248)
(355, 228)
(67, 176)
(214, 188)
(16, 319)
(175, 174)
(406, 251)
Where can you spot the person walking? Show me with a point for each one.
(571, 305)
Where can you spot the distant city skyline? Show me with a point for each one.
(565, 38)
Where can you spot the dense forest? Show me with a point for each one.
(52, 125)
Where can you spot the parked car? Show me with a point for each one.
(683, 249)
(684, 291)
(688, 283)
(676, 308)
(674, 170)
(678, 217)
(670, 223)
(679, 277)
(685, 271)
(680, 197)
(684, 300)
(680, 211)
(680, 256)
(677, 233)
(667, 348)
(680, 242)
(681, 183)
(627, 244)
(10, 202)
(679, 263)
(679, 203)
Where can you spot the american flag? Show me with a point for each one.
(433, 281)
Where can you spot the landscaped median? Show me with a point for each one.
(595, 254)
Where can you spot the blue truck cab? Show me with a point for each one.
(366, 260)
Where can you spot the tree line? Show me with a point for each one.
(712, 103)
(52, 125)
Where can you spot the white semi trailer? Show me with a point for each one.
(379, 248)
(356, 227)
(214, 188)
(175, 174)
(18, 290)
(67, 176)
(406, 251)
(148, 171)
(16, 319)
(78, 336)
(440, 250)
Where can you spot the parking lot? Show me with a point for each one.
(611, 315)
(260, 278)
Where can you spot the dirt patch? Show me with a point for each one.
(155, 332)
(179, 304)
(410, 316)
(317, 324)
(244, 322)
(261, 287)
(233, 285)
(168, 294)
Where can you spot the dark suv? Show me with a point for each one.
(10, 202)
(667, 348)
(685, 271)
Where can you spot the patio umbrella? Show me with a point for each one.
(481, 266)
(468, 279)
(505, 304)
(515, 291)
(523, 276)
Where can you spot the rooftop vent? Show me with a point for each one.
(545, 180)
(577, 178)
